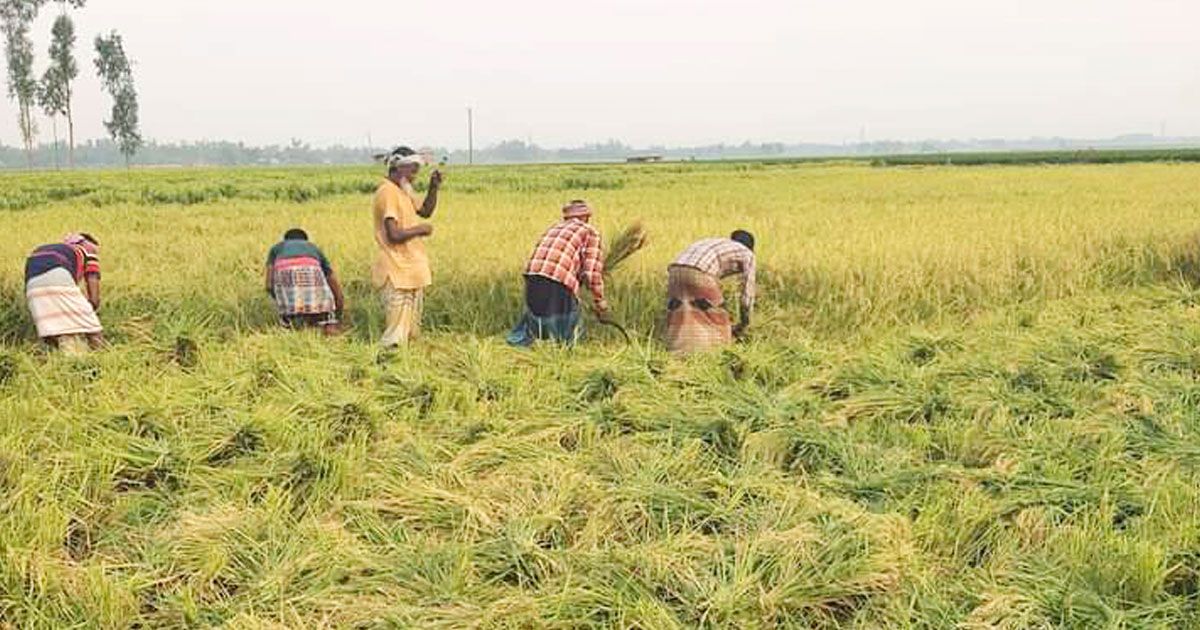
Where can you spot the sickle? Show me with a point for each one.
(628, 339)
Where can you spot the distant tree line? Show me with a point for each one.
(52, 93)
(108, 152)
(105, 153)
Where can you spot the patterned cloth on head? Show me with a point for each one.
(570, 253)
(696, 315)
(75, 238)
(577, 209)
(402, 309)
(551, 313)
(721, 258)
(58, 306)
(299, 280)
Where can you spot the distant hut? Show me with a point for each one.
(643, 159)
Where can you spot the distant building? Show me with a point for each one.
(643, 159)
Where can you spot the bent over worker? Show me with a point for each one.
(401, 272)
(696, 315)
(567, 256)
(63, 316)
(300, 279)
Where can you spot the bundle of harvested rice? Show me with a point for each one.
(628, 243)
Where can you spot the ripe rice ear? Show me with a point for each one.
(628, 243)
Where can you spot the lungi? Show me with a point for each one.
(402, 308)
(58, 306)
(696, 316)
(551, 312)
(302, 294)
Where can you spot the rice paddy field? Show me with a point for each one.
(970, 399)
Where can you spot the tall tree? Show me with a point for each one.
(50, 98)
(116, 73)
(56, 89)
(15, 18)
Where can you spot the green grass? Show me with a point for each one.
(971, 400)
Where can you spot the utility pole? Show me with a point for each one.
(470, 136)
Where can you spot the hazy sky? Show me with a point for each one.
(645, 71)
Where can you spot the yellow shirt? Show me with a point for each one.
(406, 265)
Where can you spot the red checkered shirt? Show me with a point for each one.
(723, 257)
(570, 254)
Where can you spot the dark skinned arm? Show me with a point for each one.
(431, 197)
(270, 281)
(397, 236)
(743, 317)
(93, 290)
(339, 300)
(749, 288)
(740, 329)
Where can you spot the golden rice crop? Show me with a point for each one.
(969, 400)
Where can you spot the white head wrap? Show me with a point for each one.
(394, 160)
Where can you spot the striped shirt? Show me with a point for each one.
(74, 258)
(570, 253)
(723, 257)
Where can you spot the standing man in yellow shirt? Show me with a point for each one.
(401, 270)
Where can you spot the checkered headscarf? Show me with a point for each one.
(577, 209)
(78, 240)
